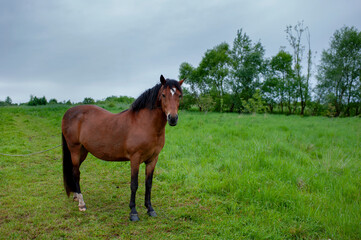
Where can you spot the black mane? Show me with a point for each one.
(148, 99)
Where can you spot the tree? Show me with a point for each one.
(197, 85)
(247, 67)
(279, 82)
(213, 70)
(34, 101)
(8, 101)
(294, 37)
(338, 78)
(188, 99)
(88, 100)
(186, 70)
(270, 89)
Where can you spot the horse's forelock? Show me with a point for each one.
(173, 83)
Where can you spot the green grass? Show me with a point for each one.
(219, 176)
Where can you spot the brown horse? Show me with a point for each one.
(136, 135)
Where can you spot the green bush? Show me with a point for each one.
(53, 101)
(254, 104)
(88, 100)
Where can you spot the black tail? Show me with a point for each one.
(69, 183)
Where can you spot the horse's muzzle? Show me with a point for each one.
(172, 119)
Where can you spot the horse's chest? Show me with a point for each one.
(146, 146)
(154, 145)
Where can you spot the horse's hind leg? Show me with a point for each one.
(78, 155)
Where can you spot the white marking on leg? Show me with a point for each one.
(81, 204)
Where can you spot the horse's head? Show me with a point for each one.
(170, 95)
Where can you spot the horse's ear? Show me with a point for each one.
(162, 79)
(181, 81)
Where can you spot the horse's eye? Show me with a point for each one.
(163, 95)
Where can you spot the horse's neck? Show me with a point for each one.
(158, 119)
(155, 118)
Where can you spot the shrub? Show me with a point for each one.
(254, 104)
(88, 100)
(53, 101)
(206, 103)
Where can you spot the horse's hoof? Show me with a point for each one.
(82, 208)
(152, 214)
(134, 217)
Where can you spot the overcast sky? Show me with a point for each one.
(72, 49)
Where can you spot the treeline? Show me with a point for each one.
(8, 102)
(34, 101)
(239, 78)
(111, 101)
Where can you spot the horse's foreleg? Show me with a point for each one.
(148, 186)
(133, 187)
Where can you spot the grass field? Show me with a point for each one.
(219, 176)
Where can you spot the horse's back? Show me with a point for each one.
(79, 118)
(78, 111)
(100, 132)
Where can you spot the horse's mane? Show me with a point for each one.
(148, 99)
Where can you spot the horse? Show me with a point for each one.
(136, 135)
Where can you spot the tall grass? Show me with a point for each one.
(224, 176)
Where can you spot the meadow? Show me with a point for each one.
(219, 176)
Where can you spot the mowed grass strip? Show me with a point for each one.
(225, 176)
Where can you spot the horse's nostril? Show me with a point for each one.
(173, 117)
(172, 120)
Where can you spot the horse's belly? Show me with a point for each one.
(123, 144)
(108, 157)
(115, 159)
(107, 152)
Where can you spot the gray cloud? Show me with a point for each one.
(77, 49)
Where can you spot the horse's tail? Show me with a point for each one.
(69, 182)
